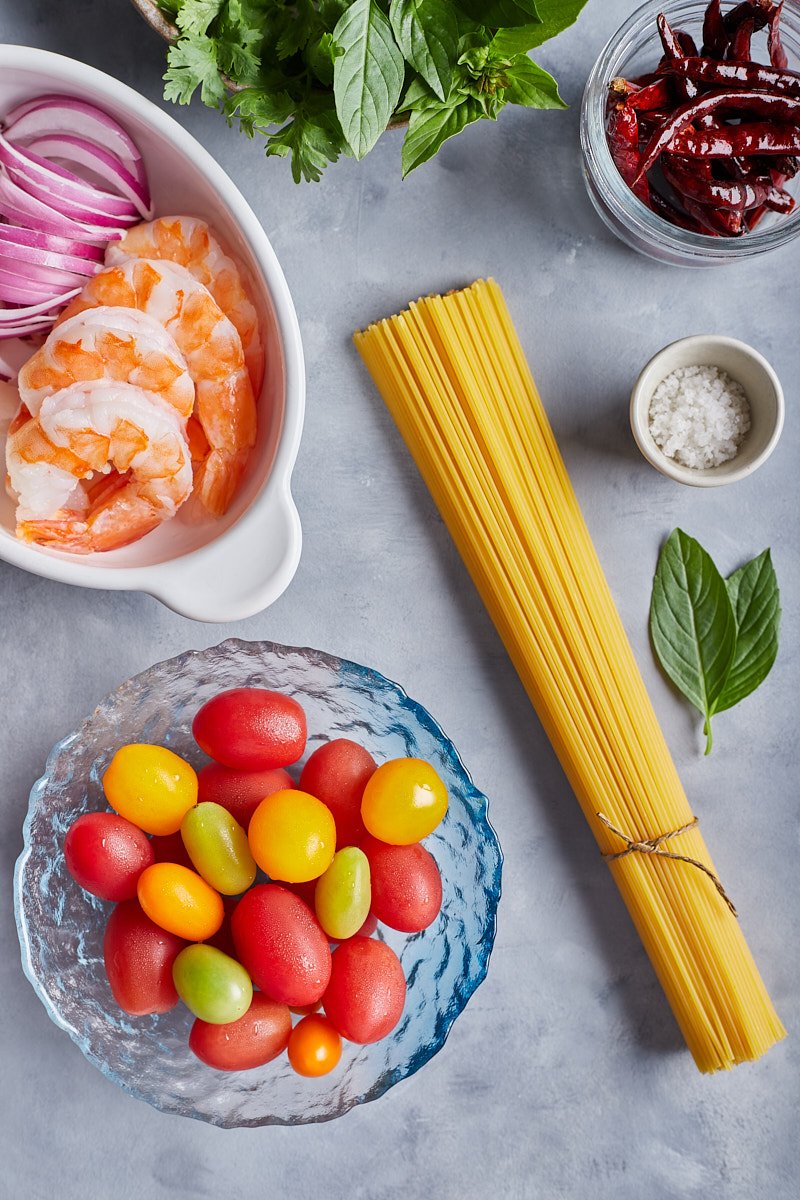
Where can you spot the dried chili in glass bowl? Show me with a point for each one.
(635, 51)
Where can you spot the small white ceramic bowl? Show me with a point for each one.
(747, 367)
(209, 570)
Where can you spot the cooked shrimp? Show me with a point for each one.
(118, 344)
(225, 408)
(189, 242)
(102, 465)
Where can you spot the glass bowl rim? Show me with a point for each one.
(478, 806)
(627, 208)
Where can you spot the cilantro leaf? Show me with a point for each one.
(258, 108)
(192, 64)
(312, 140)
(195, 16)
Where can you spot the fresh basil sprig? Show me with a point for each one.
(321, 78)
(716, 639)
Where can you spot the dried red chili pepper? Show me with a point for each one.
(623, 141)
(715, 35)
(737, 74)
(757, 10)
(651, 96)
(728, 222)
(761, 104)
(736, 195)
(674, 215)
(777, 54)
(687, 89)
(741, 141)
(739, 46)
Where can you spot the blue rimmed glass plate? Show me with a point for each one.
(61, 927)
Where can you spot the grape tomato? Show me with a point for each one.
(403, 801)
(280, 943)
(292, 836)
(138, 958)
(315, 1047)
(177, 899)
(367, 990)
(213, 986)
(240, 792)
(406, 885)
(337, 774)
(342, 896)
(150, 786)
(106, 854)
(254, 1040)
(218, 848)
(251, 729)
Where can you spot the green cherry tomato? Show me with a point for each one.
(213, 986)
(218, 848)
(343, 894)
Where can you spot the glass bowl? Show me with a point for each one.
(61, 927)
(633, 50)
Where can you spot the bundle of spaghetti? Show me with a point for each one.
(454, 376)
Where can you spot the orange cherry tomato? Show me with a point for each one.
(180, 901)
(314, 1046)
(151, 787)
(292, 836)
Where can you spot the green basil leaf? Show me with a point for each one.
(531, 86)
(432, 124)
(427, 33)
(367, 75)
(692, 623)
(496, 13)
(755, 598)
(554, 16)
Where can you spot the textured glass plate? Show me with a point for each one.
(61, 927)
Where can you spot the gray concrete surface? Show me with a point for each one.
(565, 1079)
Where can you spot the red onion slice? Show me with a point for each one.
(33, 256)
(66, 114)
(16, 290)
(52, 279)
(25, 326)
(67, 207)
(61, 183)
(23, 208)
(11, 316)
(106, 165)
(19, 236)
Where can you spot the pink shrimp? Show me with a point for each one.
(189, 242)
(225, 412)
(119, 344)
(103, 464)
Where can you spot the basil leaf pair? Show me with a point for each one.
(716, 639)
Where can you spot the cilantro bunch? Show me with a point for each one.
(320, 78)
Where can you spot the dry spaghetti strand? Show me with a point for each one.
(454, 376)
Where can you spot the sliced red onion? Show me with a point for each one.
(66, 114)
(25, 327)
(33, 315)
(20, 236)
(61, 182)
(53, 279)
(26, 209)
(67, 207)
(14, 289)
(106, 165)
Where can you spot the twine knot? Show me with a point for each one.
(655, 845)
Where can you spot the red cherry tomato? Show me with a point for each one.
(251, 729)
(240, 792)
(255, 1039)
(280, 944)
(337, 774)
(365, 997)
(406, 885)
(139, 957)
(106, 854)
(315, 1047)
(169, 848)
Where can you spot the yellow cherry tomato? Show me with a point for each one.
(180, 901)
(403, 801)
(151, 787)
(292, 836)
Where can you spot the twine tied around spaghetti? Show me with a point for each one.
(656, 846)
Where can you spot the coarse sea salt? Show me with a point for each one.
(699, 416)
